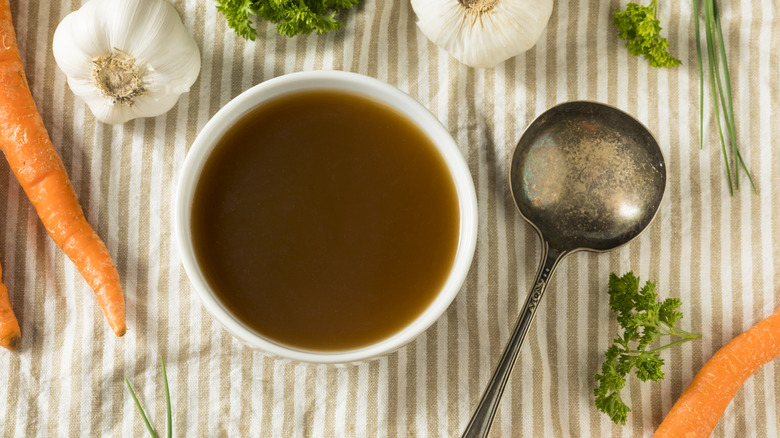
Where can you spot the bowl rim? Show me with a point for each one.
(366, 86)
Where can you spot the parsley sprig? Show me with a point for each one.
(292, 17)
(644, 321)
(641, 30)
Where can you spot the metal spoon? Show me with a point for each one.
(586, 176)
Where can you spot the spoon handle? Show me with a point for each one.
(480, 423)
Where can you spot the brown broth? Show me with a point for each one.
(325, 221)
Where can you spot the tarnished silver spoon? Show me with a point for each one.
(586, 176)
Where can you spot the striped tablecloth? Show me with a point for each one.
(719, 253)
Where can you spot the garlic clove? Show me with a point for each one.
(174, 71)
(156, 102)
(483, 33)
(74, 47)
(126, 58)
(149, 23)
(107, 111)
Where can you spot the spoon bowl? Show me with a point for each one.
(586, 176)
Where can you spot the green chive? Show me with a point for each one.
(729, 104)
(167, 404)
(701, 72)
(720, 87)
(728, 108)
(712, 60)
(167, 400)
(140, 409)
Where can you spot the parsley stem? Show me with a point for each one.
(683, 334)
(664, 347)
(671, 331)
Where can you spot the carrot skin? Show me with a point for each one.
(41, 174)
(10, 335)
(702, 404)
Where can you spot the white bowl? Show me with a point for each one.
(331, 80)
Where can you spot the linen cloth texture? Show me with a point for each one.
(718, 253)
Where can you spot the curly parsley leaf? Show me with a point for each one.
(292, 17)
(643, 320)
(641, 30)
(238, 14)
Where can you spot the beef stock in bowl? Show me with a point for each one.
(325, 217)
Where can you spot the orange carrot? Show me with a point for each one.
(34, 161)
(702, 404)
(10, 335)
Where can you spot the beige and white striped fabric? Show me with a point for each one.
(720, 254)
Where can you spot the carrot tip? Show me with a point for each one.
(119, 328)
(12, 343)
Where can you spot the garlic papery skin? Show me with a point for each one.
(483, 33)
(126, 58)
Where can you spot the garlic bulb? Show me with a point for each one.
(483, 33)
(126, 58)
